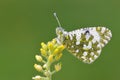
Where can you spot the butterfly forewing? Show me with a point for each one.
(85, 43)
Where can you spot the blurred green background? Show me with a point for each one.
(24, 24)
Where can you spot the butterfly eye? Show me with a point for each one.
(59, 31)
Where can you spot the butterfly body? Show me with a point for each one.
(85, 43)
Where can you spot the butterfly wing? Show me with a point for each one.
(86, 43)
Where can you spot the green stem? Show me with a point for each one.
(53, 72)
(48, 70)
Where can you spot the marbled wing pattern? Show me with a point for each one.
(86, 43)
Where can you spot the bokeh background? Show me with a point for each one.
(24, 24)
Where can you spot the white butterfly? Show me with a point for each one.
(86, 43)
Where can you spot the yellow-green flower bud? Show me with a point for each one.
(38, 67)
(44, 46)
(56, 51)
(38, 58)
(54, 41)
(50, 46)
(44, 66)
(50, 58)
(36, 78)
(57, 57)
(43, 52)
(61, 48)
(46, 73)
(58, 67)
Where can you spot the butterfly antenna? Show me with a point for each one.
(55, 15)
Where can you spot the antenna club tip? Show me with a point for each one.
(54, 13)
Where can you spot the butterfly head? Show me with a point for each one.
(59, 30)
(61, 34)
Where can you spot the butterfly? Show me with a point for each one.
(85, 43)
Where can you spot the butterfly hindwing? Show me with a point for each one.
(85, 43)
